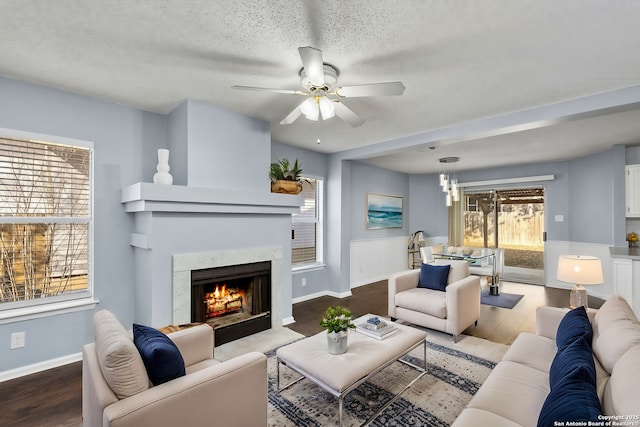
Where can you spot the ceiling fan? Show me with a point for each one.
(323, 95)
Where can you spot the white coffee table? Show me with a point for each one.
(340, 374)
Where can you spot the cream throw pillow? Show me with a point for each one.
(615, 330)
(621, 395)
(120, 361)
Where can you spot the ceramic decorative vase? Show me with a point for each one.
(337, 342)
(163, 176)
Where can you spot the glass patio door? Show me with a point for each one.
(512, 219)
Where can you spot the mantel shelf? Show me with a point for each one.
(148, 197)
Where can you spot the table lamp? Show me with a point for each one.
(579, 270)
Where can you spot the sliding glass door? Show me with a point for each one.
(512, 219)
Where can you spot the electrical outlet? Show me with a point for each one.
(17, 340)
(303, 282)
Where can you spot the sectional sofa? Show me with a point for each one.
(535, 376)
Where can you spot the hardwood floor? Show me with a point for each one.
(54, 397)
(496, 324)
(49, 398)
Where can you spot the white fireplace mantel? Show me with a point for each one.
(213, 226)
(148, 197)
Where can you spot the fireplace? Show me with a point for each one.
(235, 299)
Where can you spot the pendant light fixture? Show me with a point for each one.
(449, 184)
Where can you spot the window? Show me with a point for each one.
(306, 246)
(45, 221)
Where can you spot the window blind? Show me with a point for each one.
(304, 225)
(45, 215)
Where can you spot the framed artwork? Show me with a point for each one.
(384, 211)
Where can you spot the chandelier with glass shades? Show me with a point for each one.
(449, 184)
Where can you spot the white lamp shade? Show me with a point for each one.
(310, 109)
(580, 269)
(326, 108)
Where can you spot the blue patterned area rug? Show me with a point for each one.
(503, 300)
(455, 372)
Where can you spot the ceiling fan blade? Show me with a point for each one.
(347, 115)
(312, 63)
(292, 116)
(374, 89)
(266, 89)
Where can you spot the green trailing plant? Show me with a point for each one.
(337, 319)
(284, 170)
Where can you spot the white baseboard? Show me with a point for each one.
(39, 367)
(321, 294)
(288, 320)
(369, 281)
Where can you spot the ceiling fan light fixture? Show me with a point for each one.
(313, 117)
(326, 108)
(319, 81)
(310, 109)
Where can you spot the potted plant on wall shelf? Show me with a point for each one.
(285, 177)
(337, 321)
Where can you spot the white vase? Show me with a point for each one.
(163, 176)
(337, 342)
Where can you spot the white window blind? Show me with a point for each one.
(45, 218)
(307, 226)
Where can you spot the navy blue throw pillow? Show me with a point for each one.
(574, 398)
(575, 354)
(573, 325)
(161, 357)
(434, 276)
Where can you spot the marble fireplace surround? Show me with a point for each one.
(183, 264)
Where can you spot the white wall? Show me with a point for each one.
(376, 259)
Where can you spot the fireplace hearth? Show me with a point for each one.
(235, 300)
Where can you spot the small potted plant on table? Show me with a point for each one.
(337, 321)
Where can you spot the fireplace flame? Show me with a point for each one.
(222, 301)
(220, 293)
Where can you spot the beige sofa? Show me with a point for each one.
(211, 393)
(452, 311)
(516, 389)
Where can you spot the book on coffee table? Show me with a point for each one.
(376, 328)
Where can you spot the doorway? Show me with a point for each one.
(519, 216)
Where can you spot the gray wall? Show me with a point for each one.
(313, 164)
(372, 179)
(427, 211)
(125, 140)
(632, 155)
(178, 135)
(590, 196)
(226, 149)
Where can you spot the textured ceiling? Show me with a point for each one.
(461, 61)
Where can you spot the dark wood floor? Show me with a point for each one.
(54, 397)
